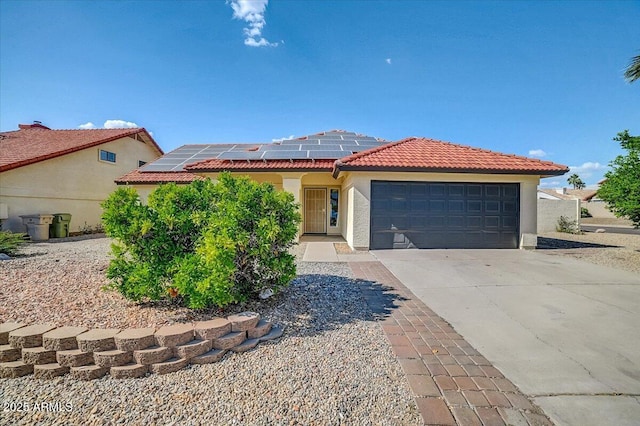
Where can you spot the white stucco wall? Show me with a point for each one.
(549, 212)
(74, 183)
(358, 187)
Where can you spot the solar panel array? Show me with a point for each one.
(323, 146)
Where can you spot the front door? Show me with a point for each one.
(315, 210)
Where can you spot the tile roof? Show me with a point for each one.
(33, 143)
(421, 154)
(216, 165)
(138, 177)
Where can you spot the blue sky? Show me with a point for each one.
(530, 78)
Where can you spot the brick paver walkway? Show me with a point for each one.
(452, 383)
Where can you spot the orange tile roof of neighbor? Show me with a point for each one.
(421, 154)
(138, 177)
(216, 165)
(34, 142)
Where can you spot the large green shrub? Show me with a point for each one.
(210, 244)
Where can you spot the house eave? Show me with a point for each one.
(542, 173)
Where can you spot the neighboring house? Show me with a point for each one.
(567, 194)
(415, 192)
(66, 171)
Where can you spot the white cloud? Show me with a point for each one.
(537, 153)
(282, 139)
(87, 125)
(119, 124)
(586, 170)
(587, 167)
(388, 60)
(252, 12)
(550, 183)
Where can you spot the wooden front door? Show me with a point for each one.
(315, 210)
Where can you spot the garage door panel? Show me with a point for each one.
(456, 206)
(474, 206)
(437, 206)
(437, 189)
(456, 190)
(444, 215)
(491, 206)
(492, 222)
(474, 191)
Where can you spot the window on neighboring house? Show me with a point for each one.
(107, 156)
(141, 163)
(334, 197)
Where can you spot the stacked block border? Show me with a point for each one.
(47, 351)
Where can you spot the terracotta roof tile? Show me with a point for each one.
(34, 143)
(138, 177)
(216, 165)
(421, 154)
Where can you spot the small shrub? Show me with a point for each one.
(202, 244)
(10, 242)
(568, 226)
(584, 212)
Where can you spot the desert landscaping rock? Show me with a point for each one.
(134, 339)
(74, 358)
(169, 366)
(88, 372)
(275, 333)
(62, 339)
(210, 357)
(262, 328)
(152, 355)
(295, 380)
(129, 371)
(174, 335)
(230, 340)
(97, 339)
(243, 321)
(5, 329)
(49, 371)
(9, 353)
(245, 346)
(113, 358)
(29, 336)
(212, 329)
(13, 369)
(192, 349)
(38, 355)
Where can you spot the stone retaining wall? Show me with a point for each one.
(47, 351)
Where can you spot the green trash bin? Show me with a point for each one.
(60, 226)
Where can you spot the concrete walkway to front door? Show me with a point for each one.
(564, 331)
(322, 248)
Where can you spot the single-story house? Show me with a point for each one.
(376, 194)
(45, 171)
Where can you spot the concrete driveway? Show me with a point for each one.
(566, 332)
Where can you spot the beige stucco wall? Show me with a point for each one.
(75, 183)
(549, 212)
(357, 185)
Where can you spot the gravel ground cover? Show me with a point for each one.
(620, 251)
(332, 366)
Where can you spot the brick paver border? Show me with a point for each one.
(452, 383)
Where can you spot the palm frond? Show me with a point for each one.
(632, 73)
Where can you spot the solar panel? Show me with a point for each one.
(328, 155)
(319, 147)
(331, 142)
(240, 155)
(296, 142)
(335, 137)
(265, 148)
(284, 155)
(366, 139)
